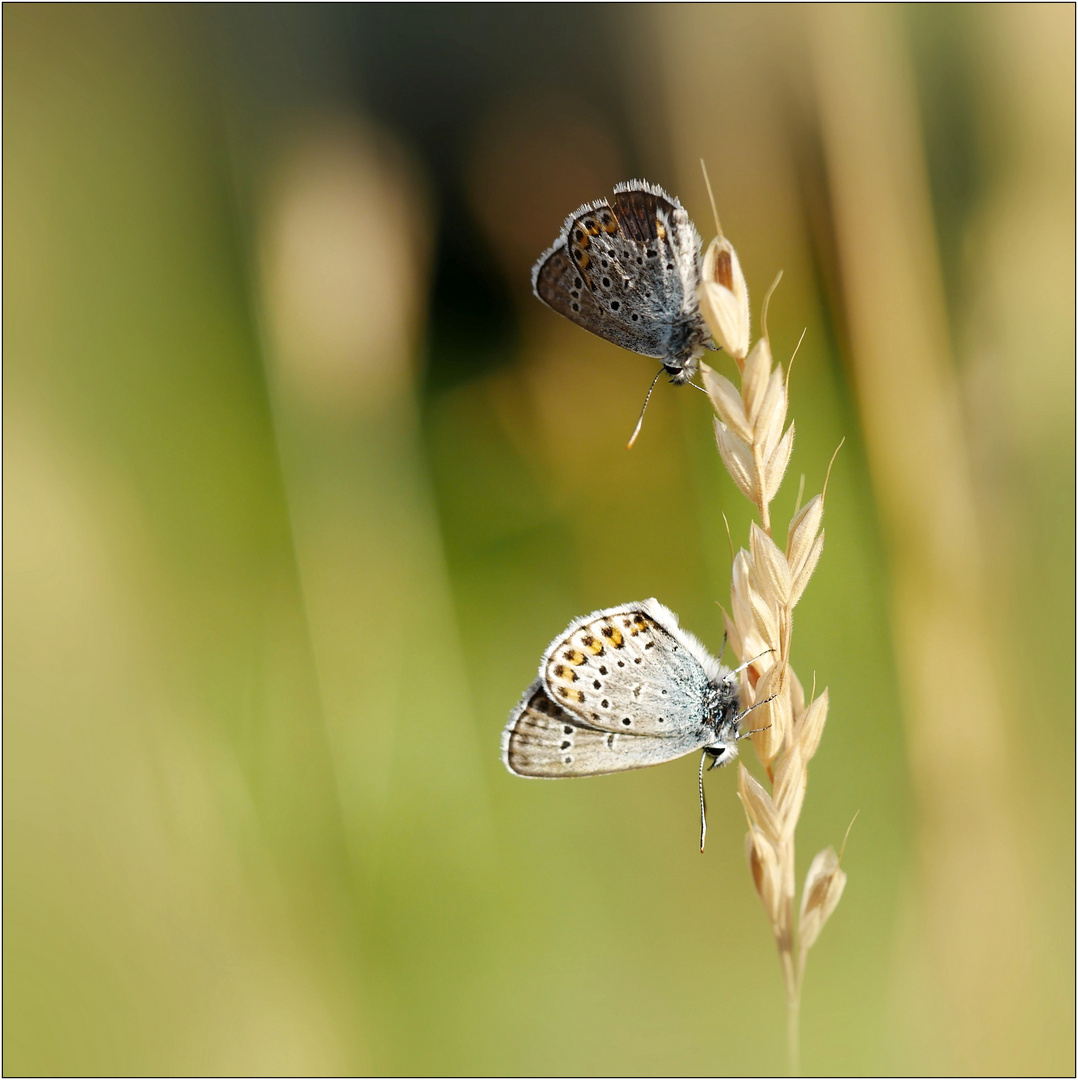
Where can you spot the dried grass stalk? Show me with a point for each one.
(767, 581)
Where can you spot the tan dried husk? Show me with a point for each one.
(724, 298)
(767, 581)
(824, 884)
(766, 871)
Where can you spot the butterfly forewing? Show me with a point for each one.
(571, 292)
(581, 280)
(620, 670)
(544, 740)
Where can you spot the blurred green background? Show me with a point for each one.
(300, 480)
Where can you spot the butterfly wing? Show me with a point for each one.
(571, 291)
(576, 284)
(544, 740)
(628, 272)
(656, 221)
(632, 670)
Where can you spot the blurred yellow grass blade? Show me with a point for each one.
(341, 229)
(913, 431)
(166, 820)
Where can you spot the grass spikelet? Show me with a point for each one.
(767, 581)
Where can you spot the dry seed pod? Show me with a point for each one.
(789, 792)
(774, 716)
(772, 415)
(802, 532)
(758, 805)
(727, 402)
(823, 890)
(766, 872)
(806, 571)
(797, 695)
(724, 298)
(733, 635)
(752, 643)
(767, 618)
(737, 458)
(772, 570)
(775, 467)
(755, 379)
(810, 728)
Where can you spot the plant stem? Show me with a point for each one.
(793, 1016)
(791, 969)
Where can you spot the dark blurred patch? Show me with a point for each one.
(471, 325)
(533, 161)
(434, 76)
(433, 73)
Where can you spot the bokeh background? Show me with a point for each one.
(300, 480)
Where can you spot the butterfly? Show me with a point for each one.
(624, 688)
(628, 271)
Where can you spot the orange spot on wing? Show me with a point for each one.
(592, 644)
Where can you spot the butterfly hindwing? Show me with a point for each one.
(644, 211)
(580, 278)
(544, 740)
(651, 217)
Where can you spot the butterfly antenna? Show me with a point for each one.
(640, 422)
(703, 804)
